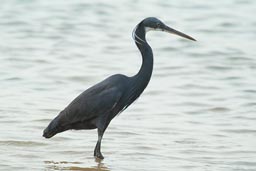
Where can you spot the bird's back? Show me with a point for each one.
(92, 107)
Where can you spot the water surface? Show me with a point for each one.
(198, 112)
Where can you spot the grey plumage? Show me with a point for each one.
(98, 105)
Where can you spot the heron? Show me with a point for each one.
(98, 105)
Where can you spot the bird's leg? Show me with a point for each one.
(97, 152)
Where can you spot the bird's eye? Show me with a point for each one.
(158, 25)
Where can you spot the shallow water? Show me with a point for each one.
(198, 112)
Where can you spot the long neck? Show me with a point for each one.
(141, 79)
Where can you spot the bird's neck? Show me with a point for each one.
(142, 78)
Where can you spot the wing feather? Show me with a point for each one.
(95, 101)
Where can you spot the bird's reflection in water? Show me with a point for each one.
(64, 165)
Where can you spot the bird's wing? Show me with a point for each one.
(97, 100)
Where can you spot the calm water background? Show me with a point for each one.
(198, 112)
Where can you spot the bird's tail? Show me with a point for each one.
(53, 128)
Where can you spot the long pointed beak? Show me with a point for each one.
(173, 31)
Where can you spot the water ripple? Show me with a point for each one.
(198, 112)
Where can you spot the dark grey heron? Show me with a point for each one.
(98, 105)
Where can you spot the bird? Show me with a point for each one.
(98, 105)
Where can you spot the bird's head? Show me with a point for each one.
(152, 23)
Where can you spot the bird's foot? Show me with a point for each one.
(98, 155)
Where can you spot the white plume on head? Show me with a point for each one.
(147, 29)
